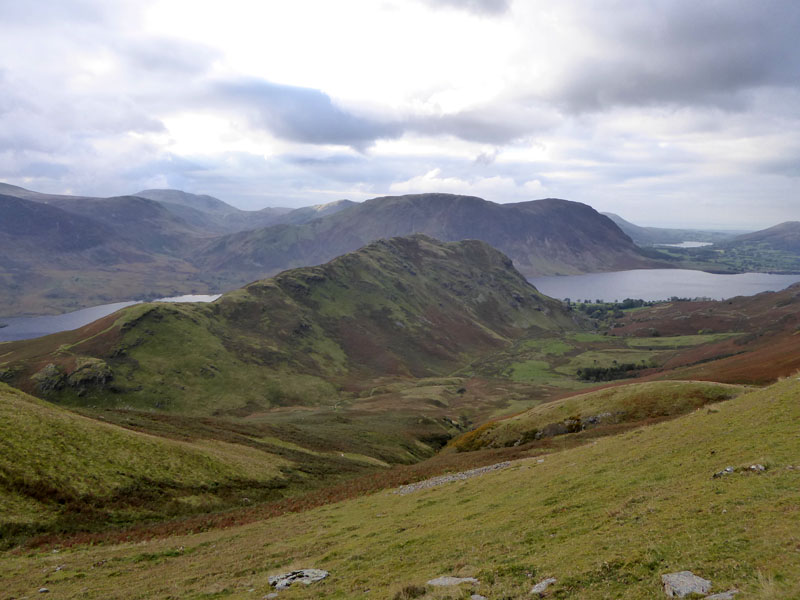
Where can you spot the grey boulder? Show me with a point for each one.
(724, 595)
(542, 586)
(304, 576)
(443, 581)
(684, 583)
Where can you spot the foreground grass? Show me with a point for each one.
(59, 470)
(605, 519)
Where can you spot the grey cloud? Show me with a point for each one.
(481, 7)
(478, 126)
(301, 114)
(310, 116)
(498, 124)
(486, 158)
(683, 52)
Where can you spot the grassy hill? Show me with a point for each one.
(601, 412)
(410, 307)
(59, 470)
(606, 520)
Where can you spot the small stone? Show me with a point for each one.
(271, 595)
(725, 471)
(684, 583)
(43, 590)
(442, 581)
(304, 576)
(758, 468)
(724, 595)
(477, 597)
(540, 587)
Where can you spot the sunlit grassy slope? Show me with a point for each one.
(60, 471)
(634, 402)
(606, 519)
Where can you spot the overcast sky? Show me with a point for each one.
(667, 112)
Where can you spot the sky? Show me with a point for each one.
(667, 112)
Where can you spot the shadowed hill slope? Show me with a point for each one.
(785, 236)
(404, 307)
(212, 214)
(542, 237)
(54, 259)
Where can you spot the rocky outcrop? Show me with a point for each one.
(447, 580)
(684, 583)
(540, 588)
(88, 373)
(304, 576)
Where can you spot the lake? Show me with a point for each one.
(685, 245)
(23, 328)
(660, 284)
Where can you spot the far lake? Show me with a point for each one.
(660, 284)
(23, 328)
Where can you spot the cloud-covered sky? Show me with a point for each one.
(667, 112)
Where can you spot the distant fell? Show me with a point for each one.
(318, 211)
(542, 237)
(68, 253)
(201, 202)
(785, 237)
(649, 236)
(212, 214)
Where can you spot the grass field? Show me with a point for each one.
(606, 519)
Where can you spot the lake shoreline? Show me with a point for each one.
(14, 329)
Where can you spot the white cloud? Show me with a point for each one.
(665, 108)
(496, 188)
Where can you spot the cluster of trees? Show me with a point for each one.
(615, 371)
(598, 309)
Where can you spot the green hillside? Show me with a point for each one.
(407, 307)
(59, 469)
(606, 520)
(602, 410)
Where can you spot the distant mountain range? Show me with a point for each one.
(542, 237)
(63, 252)
(167, 242)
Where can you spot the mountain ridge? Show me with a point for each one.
(409, 306)
(543, 237)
